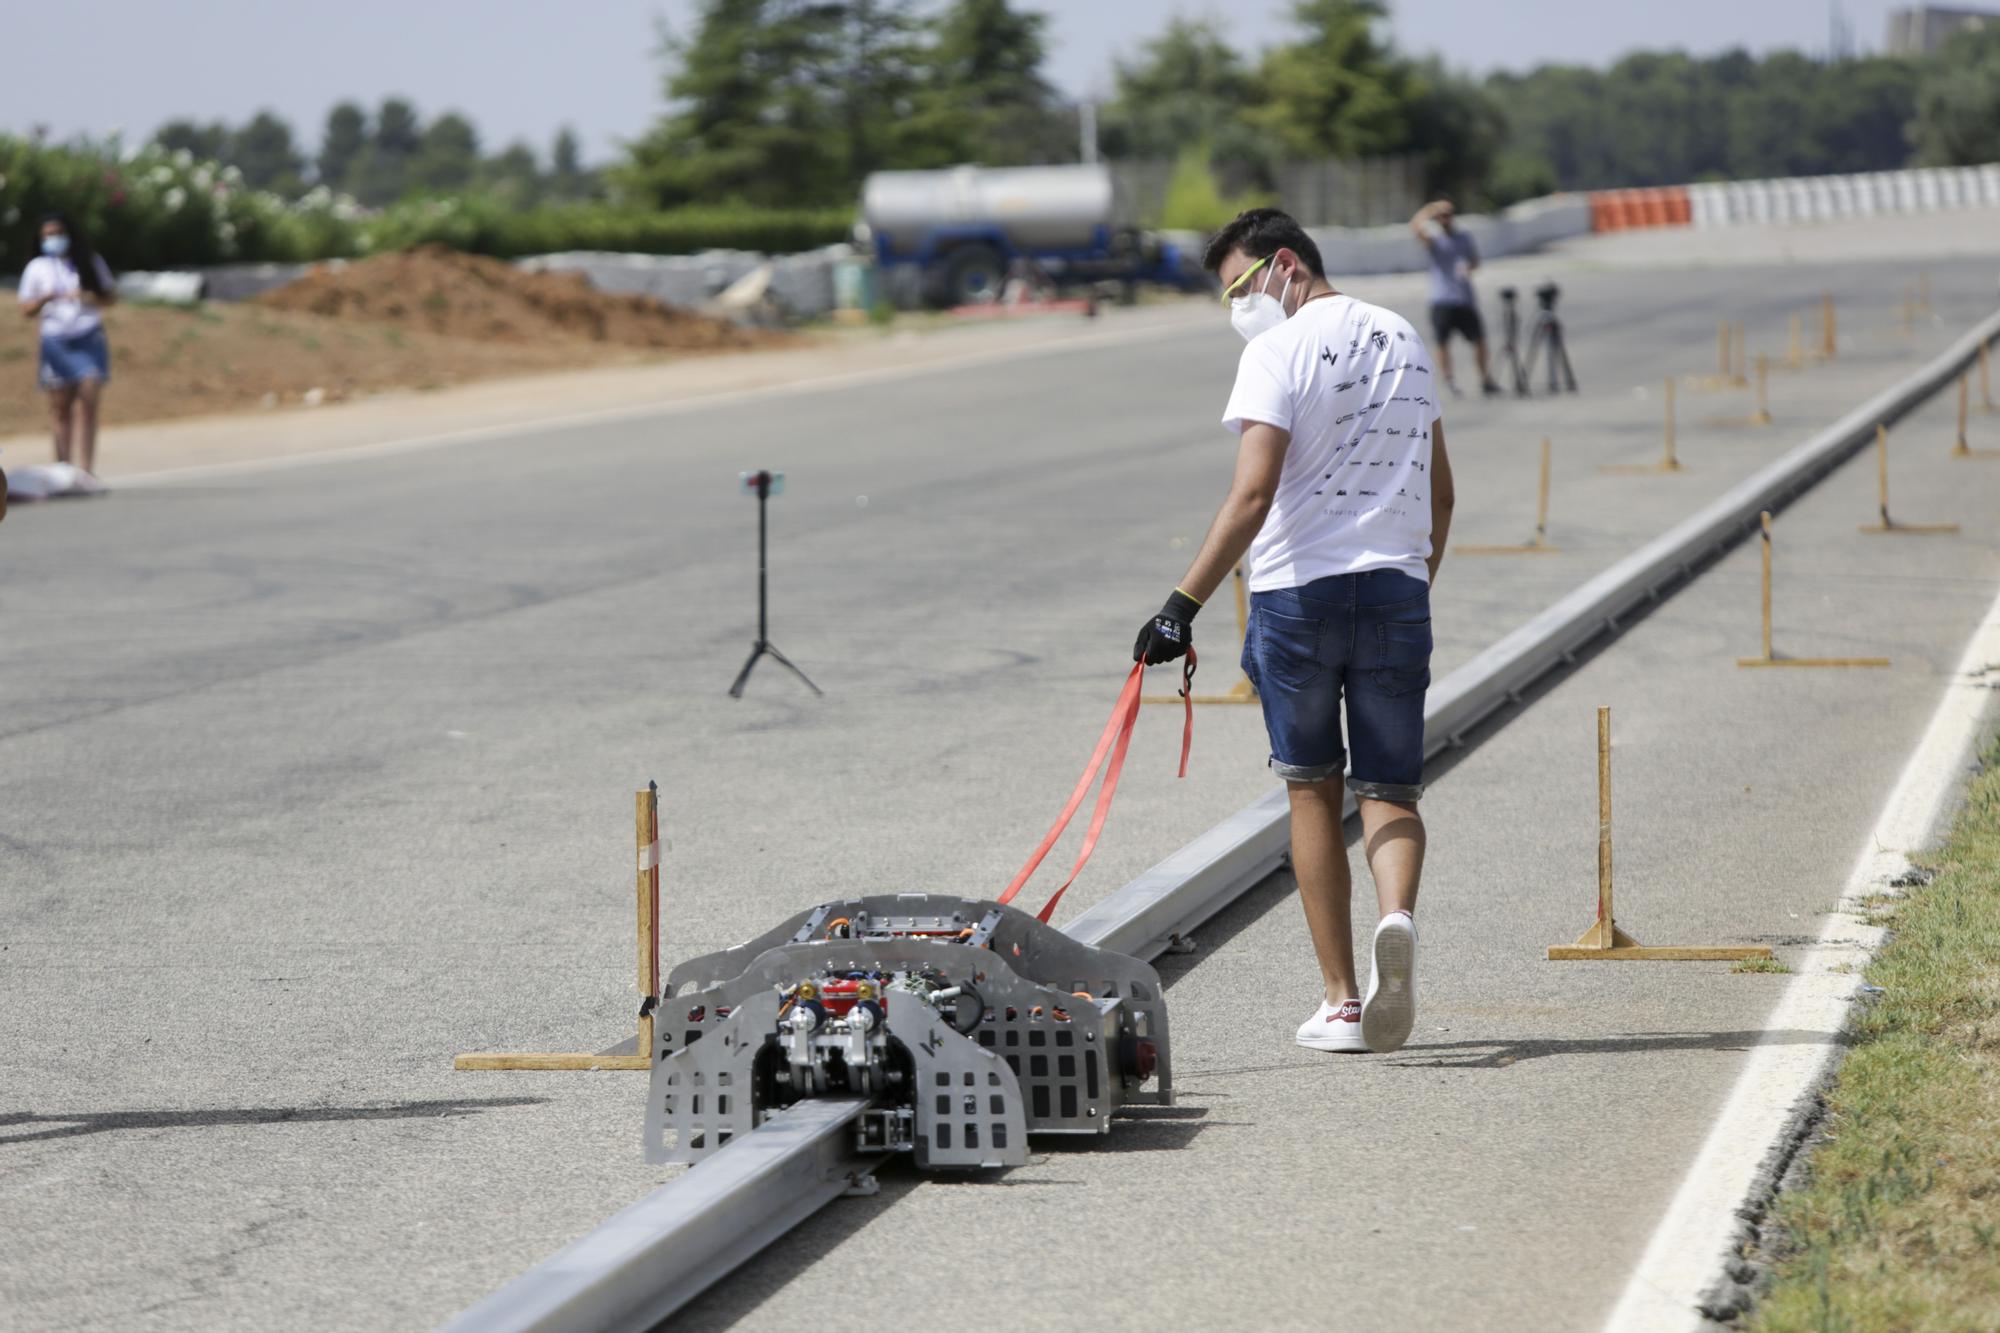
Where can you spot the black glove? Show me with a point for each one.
(1169, 634)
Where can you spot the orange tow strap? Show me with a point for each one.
(1114, 741)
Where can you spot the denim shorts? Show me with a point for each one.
(67, 361)
(1365, 637)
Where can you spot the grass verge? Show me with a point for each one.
(1899, 1226)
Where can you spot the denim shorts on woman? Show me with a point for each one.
(1365, 637)
(67, 361)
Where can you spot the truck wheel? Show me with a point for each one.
(973, 275)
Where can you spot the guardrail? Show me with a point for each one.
(655, 1256)
(1798, 198)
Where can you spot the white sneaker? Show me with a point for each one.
(1390, 1010)
(1336, 1027)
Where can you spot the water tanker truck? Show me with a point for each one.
(951, 237)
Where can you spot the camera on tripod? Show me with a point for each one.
(1547, 335)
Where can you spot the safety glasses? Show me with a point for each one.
(1235, 289)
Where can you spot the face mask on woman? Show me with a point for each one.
(55, 246)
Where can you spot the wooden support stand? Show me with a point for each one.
(1241, 692)
(640, 1054)
(1604, 941)
(1829, 341)
(1961, 449)
(1540, 544)
(1768, 659)
(1795, 347)
(1729, 360)
(1762, 415)
(1889, 525)
(1668, 462)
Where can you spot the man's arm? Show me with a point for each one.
(1260, 459)
(1443, 496)
(1417, 221)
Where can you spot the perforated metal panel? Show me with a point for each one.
(700, 1097)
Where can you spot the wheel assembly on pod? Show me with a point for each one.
(970, 1025)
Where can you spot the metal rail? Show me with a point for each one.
(657, 1255)
(652, 1258)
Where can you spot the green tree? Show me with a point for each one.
(1957, 119)
(447, 156)
(748, 119)
(1337, 91)
(264, 152)
(1457, 127)
(567, 178)
(987, 99)
(1189, 86)
(380, 173)
(346, 134)
(514, 177)
(205, 142)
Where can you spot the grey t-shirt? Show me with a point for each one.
(1450, 285)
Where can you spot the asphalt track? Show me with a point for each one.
(309, 779)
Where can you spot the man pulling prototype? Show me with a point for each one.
(1342, 497)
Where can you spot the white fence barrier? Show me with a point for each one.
(1828, 198)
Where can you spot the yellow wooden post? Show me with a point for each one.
(1795, 348)
(1607, 920)
(1769, 659)
(1542, 499)
(1764, 519)
(1604, 940)
(1889, 525)
(1762, 416)
(1670, 463)
(1828, 339)
(648, 822)
(1739, 374)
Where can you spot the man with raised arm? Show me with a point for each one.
(1454, 308)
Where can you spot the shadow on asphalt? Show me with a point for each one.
(101, 1122)
(1501, 1052)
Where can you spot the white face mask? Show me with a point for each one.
(1259, 312)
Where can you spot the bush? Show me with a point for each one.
(1194, 201)
(158, 209)
(154, 209)
(483, 226)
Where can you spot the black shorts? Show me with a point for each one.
(1460, 319)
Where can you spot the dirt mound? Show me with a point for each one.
(471, 296)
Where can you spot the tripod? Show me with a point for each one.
(1549, 330)
(1510, 323)
(761, 483)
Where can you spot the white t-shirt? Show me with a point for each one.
(66, 316)
(1352, 382)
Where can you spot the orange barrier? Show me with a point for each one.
(1618, 210)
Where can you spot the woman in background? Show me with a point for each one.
(66, 286)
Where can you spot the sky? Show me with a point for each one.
(520, 69)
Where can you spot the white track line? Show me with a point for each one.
(1687, 1253)
(696, 402)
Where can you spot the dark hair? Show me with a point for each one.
(80, 253)
(1261, 233)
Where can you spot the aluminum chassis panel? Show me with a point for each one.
(617, 1277)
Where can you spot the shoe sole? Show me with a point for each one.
(1338, 1048)
(1390, 1010)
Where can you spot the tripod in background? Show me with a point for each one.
(1548, 333)
(764, 485)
